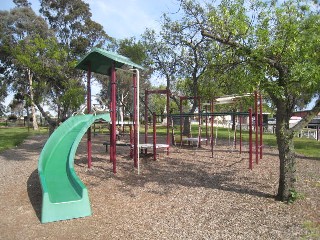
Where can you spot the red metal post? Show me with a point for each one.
(250, 138)
(113, 137)
(181, 121)
(200, 121)
(235, 133)
(206, 125)
(212, 121)
(256, 124)
(240, 129)
(146, 118)
(168, 118)
(154, 119)
(89, 144)
(135, 120)
(261, 127)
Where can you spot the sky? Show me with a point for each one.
(119, 18)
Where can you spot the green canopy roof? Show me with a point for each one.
(101, 61)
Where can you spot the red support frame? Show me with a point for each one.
(154, 119)
(113, 119)
(256, 125)
(250, 138)
(240, 129)
(89, 143)
(159, 91)
(212, 121)
(261, 126)
(135, 122)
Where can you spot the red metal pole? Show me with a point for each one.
(235, 136)
(146, 118)
(168, 118)
(180, 121)
(250, 138)
(206, 125)
(256, 124)
(135, 117)
(154, 136)
(200, 121)
(261, 127)
(89, 144)
(212, 121)
(113, 118)
(240, 140)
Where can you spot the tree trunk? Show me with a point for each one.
(33, 110)
(286, 156)
(187, 121)
(52, 123)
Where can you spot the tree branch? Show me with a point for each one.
(248, 51)
(310, 115)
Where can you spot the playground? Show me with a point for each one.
(185, 195)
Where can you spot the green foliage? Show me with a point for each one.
(71, 21)
(273, 45)
(179, 52)
(133, 49)
(294, 196)
(276, 43)
(73, 97)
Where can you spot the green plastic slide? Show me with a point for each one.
(64, 196)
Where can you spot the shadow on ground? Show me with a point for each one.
(34, 192)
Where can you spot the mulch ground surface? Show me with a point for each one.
(188, 194)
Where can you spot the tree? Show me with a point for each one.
(22, 3)
(16, 25)
(77, 33)
(29, 50)
(179, 52)
(71, 21)
(279, 46)
(40, 60)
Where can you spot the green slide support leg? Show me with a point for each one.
(64, 196)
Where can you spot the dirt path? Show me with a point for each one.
(186, 195)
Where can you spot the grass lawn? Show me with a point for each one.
(13, 136)
(304, 146)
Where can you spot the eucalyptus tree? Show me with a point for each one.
(36, 64)
(73, 26)
(16, 25)
(75, 31)
(279, 46)
(48, 84)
